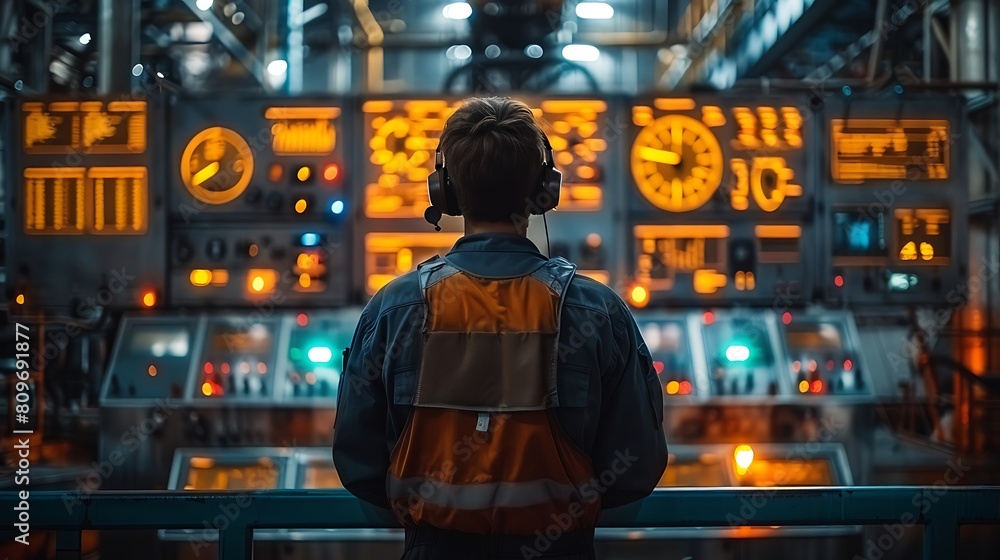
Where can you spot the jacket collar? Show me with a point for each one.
(496, 255)
(495, 242)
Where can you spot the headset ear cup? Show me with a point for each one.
(547, 195)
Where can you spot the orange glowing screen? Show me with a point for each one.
(403, 135)
(665, 251)
(923, 236)
(74, 200)
(298, 131)
(787, 472)
(206, 473)
(872, 149)
(117, 127)
(389, 255)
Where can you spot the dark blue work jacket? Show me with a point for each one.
(610, 404)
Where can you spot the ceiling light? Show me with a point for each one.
(581, 53)
(457, 10)
(277, 67)
(534, 51)
(594, 10)
(459, 52)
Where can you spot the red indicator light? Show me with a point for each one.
(302, 319)
(330, 172)
(817, 386)
(786, 318)
(848, 365)
(829, 365)
(224, 368)
(796, 366)
(658, 366)
(208, 367)
(708, 317)
(685, 388)
(838, 281)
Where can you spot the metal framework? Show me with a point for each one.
(941, 510)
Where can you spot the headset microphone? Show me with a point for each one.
(433, 216)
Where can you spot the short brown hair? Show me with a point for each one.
(493, 152)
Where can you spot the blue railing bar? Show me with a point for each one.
(940, 509)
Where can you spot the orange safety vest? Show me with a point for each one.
(481, 451)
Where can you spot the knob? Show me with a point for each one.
(182, 250)
(273, 201)
(216, 249)
(252, 195)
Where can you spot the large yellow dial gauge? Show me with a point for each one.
(677, 163)
(216, 165)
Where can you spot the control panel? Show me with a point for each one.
(825, 355)
(743, 354)
(723, 200)
(896, 201)
(668, 339)
(83, 180)
(283, 360)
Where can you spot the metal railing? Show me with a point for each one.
(941, 511)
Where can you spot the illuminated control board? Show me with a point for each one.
(82, 170)
(824, 355)
(896, 202)
(284, 359)
(401, 137)
(722, 200)
(244, 163)
(669, 345)
(743, 354)
(237, 361)
(315, 355)
(389, 255)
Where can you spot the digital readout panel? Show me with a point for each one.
(688, 152)
(869, 149)
(402, 136)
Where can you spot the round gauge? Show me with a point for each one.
(216, 165)
(677, 163)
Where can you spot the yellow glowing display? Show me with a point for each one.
(403, 135)
(699, 250)
(767, 128)
(121, 199)
(118, 127)
(55, 200)
(300, 131)
(677, 163)
(389, 255)
(923, 235)
(870, 149)
(216, 165)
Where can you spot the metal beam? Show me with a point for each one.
(117, 45)
(230, 41)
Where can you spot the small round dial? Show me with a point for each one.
(216, 165)
(677, 163)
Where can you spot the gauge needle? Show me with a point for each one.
(659, 156)
(205, 174)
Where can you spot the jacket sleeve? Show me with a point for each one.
(359, 451)
(630, 449)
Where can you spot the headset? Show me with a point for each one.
(444, 199)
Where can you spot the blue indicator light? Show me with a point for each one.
(337, 207)
(309, 239)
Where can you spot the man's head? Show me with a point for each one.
(493, 150)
